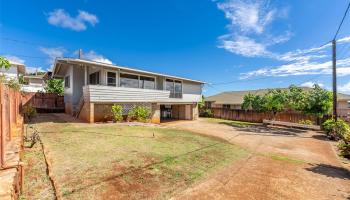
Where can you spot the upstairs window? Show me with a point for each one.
(111, 79)
(67, 82)
(94, 78)
(129, 80)
(175, 88)
(147, 82)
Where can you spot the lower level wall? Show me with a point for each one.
(102, 112)
(68, 108)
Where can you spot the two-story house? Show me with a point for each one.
(91, 88)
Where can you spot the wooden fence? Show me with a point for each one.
(254, 116)
(44, 102)
(11, 136)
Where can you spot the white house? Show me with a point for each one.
(91, 88)
(34, 83)
(14, 72)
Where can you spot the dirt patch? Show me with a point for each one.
(284, 164)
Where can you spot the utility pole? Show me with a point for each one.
(334, 44)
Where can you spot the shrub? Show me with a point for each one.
(336, 129)
(344, 148)
(305, 122)
(139, 113)
(117, 111)
(13, 83)
(207, 113)
(29, 112)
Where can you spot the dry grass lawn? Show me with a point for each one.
(111, 161)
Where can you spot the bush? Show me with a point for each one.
(207, 113)
(29, 112)
(139, 113)
(344, 148)
(336, 130)
(305, 122)
(117, 111)
(13, 83)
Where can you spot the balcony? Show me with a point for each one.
(112, 94)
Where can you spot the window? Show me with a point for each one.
(147, 82)
(227, 106)
(67, 82)
(175, 88)
(111, 79)
(129, 80)
(95, 78)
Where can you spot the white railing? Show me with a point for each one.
(110, 94)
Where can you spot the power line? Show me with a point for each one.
(341, 23)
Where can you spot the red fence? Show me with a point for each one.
(254, 116)
(44, 102)
(11, 135)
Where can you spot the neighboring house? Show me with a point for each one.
(234, 100)
(14, 72)
(34, 83)
(91, 88)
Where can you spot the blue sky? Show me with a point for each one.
(231, 45)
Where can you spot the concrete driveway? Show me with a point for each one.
(283, 164)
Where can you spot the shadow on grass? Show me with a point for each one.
(330, 171)
(106, 134)
(256, 129)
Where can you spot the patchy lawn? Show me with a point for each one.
(37, 184)
(238, 124)
(111, 161)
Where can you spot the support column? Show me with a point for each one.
(85, 75)
(92, 113)
(195, 113)
(155, 113)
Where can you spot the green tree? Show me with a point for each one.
(254, 102)
(248, 101)
(4, 63)
(275, 101)
(318, 101)
(54, 86)
(201, 104)
(296, 98)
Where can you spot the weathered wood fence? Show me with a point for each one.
(11, 137)
(254, 116)
(44, 102)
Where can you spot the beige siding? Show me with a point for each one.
(98, 93)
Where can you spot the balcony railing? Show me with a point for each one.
(177, 95)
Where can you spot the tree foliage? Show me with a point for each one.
(54, 86)
(4, 63)
(201, 104)
(316, 101)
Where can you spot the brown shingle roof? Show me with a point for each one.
(236, 97)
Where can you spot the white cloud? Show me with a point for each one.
(91, 55)
(243, 45)
(61, 18)
(248, 24)
(53, 53)
(248, 16)
(311, 84)
(345, 88)
(14, 59)
(305, 62)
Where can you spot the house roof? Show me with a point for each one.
(20, 66)
(89, 62)
(236, 97)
